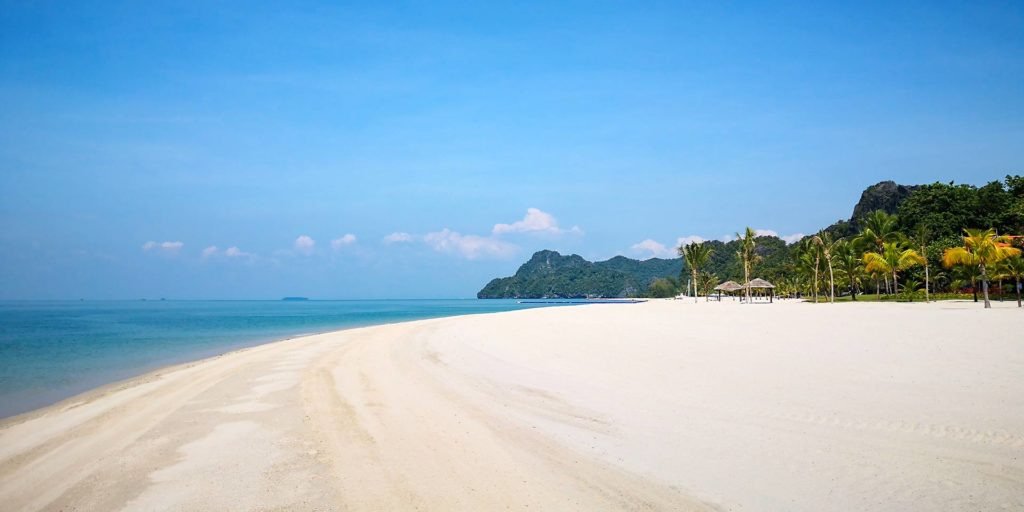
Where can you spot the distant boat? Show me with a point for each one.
(295, 298)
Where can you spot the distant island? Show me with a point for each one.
(295, 299)
(550, 275)
(932, 215)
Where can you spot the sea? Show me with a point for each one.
(51, 350)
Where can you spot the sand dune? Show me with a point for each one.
(666, 405)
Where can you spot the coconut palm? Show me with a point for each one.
(790, 284)
(850, 265)
(982, 248)
(827, 245)
(874, 274)
(707, 282)
(879, 227)
(808, 260)
(941, 280)
(895, 257)
(910, 288)
(696, 255)
(797, 283)
(920, 239)
(964, 274)
(1013, 268)
(746, 254)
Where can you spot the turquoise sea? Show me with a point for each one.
(53, 350)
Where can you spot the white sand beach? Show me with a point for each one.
(666, 405)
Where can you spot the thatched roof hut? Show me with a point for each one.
(760, 283)
(767, 289)
(729, 286)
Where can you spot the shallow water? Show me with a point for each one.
(50, 350)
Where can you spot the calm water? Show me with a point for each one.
(53, 350)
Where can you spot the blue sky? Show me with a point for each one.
(216, 151)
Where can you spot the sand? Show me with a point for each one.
(666, 405)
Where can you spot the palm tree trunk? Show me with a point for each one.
(895, 286)
(831, 283)
(694, 270)
(984, 286)
(746, 275)
(816, 260)
(926, 299)
(1017, 287)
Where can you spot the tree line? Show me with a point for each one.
(942, 240)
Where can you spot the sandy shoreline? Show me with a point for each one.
(146, 375)
(666, 405)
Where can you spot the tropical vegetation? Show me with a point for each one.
(696, 255)
(982, 249)
(901, 243)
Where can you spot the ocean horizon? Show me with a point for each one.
(51, 350)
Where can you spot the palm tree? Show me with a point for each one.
(696, 255)
(746, 254)
(983, 248)
(707, 282)
(799, 283)
(879, 227)
(893, 259)
(941, 280)
(920, 239)
(807, 262)
(850, 265)
(910, 288)
(1013, 268)
(968, 274)
(824, 240)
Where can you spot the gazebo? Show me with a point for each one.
(728, 287)
(761, 284)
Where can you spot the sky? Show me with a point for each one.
(221, 150)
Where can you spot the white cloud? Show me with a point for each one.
(235, 252)
(535, 221)
(653, 249)
(794, 238)
(209, 251)
(304, 244)
(468, 246)
(346, 239)
(163, 246)
(397, 238)
(687, 240)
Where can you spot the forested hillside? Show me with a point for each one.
(933, 215)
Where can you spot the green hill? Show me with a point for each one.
(943, 209)
(549, 274)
